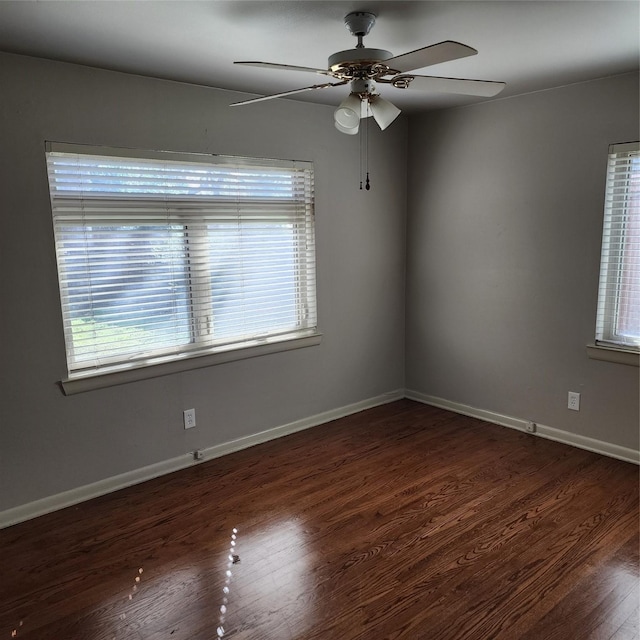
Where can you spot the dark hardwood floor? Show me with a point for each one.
(403, 521)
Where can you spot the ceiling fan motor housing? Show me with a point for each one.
(354, 63)
(358, 56)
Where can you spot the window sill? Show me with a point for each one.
(613, 354)
(79, 384)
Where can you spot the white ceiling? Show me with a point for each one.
(530, 45)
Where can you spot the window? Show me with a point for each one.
(165, 256)
(618, 317)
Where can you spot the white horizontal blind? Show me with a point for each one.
(170, 256)
(618, 318)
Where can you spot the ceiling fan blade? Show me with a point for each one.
(286, 67)
(434, 54)
(484, 88)
(289, 93)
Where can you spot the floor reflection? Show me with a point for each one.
(232, 558)
(132, 592)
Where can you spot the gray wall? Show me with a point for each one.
(503, 240)
(503, 237)
(50, 443)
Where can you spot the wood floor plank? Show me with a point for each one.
(612, 596)
(400, 522)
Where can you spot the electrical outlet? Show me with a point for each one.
(198, 454)
(531, 427)
(574, 401)
(189, 417)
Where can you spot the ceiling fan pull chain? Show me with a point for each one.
(366, 157)
(360, 158)
(362, 155)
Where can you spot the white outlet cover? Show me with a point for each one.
(574, 401)
(189, 418)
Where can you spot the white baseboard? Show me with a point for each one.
(108, 485)
(550, 433)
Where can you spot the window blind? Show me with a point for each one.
(163, 256)
(618, 316)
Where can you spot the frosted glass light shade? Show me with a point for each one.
(347, 118)
(384, 113)
(347, 114)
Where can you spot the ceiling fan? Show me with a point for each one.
(363, 67)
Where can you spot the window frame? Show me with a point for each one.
(202, 350)
(610, 344)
